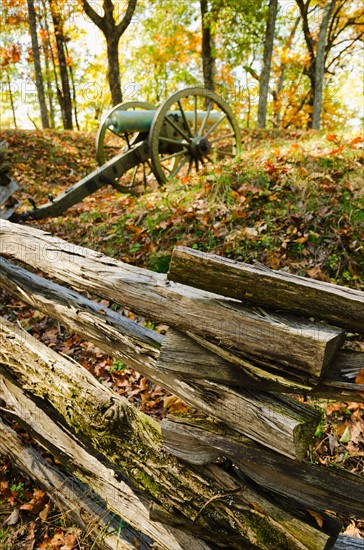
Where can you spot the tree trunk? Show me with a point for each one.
(320, 65)
(113, 73)
(267, 59)
(74, 98)
(37, 65)
(49, 85)
(11, 101)
(277, 100)
(208, 48)
(66, 92)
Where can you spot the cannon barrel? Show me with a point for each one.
(141, 121)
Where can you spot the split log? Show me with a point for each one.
(311, 486)
(102, 479)
(300, 345)
(339, 305)
(7, 190)
(133, 442)
(256, 523)
(288, 426)
(75, 500)
(339, 381)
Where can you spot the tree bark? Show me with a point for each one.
(320, 65)
(66, 101)
(11, 101)
(113, 72)
(37, 64)
(208, 47)
(201, 441)
(267, 60)
(112, 32)
(269, 288)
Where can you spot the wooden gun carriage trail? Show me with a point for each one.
(242, 341)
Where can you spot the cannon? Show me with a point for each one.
(191, 129)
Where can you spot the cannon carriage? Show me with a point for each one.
(137, 141)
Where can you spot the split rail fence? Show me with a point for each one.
(242, 341)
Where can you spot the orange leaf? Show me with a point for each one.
(360, 380)
(318, 517)
(257, 507)
(300, 240)
(173, 404)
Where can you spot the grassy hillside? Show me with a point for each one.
(292, 201)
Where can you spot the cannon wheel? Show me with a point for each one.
(197, 142)
(109, 143)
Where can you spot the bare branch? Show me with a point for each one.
(93, 15)
(124, 23)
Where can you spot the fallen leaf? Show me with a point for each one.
(44, 513)
(37, 503)
(318, 517)
(256, 507)
(13, 518)
(346, 436)
(173, 404)
(353, 531)
(317, 273)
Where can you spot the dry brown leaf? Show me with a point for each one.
(13, 518)
(353, 531)
(37, 503)
(318, 517)
(360, 380)
(257, 507)
(44, 513)
(173, 404)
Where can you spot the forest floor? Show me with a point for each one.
(293, 200)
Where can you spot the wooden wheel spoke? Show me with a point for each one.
(190, 166)
(214, 126)
(178, 168)
(187, 126)
(175, 155)
(222, 137)
(170, 140)
(195, 115)
(135, 169)
(178, 129)
(205, 119)
(224, 153)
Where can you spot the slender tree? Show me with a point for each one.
(208, 47)
(340, 30)
(37, 65)
(112, 31)
(267, 61)
(320, 65)
(64, 94)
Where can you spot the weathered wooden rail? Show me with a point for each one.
(242, 340)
